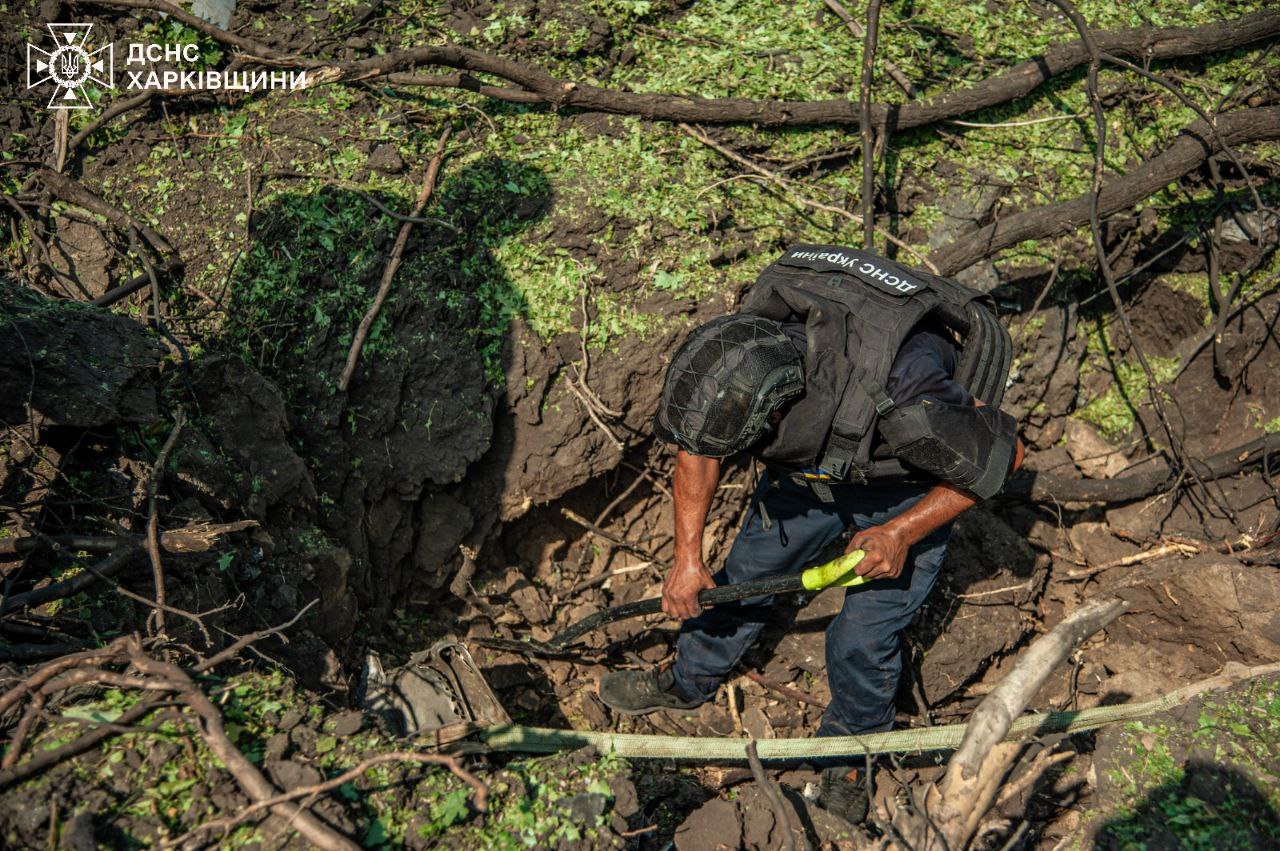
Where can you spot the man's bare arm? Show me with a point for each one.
(886, 545)
(695, 482)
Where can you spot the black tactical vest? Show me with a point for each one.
(857, 309)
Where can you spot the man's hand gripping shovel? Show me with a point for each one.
(838, 573)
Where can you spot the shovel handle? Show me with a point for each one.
(838, 572)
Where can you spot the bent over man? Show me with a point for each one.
(871, 394)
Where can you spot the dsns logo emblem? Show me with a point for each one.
(70, 66)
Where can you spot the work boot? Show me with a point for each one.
(638, 692)
(843, 793)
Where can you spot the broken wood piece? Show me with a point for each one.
(196, 538)
(1170, 549)
(969, 787)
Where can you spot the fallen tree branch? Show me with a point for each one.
(393, 264)
(786, 184)
(537, 85)
(1193, 146)
(118, 107)
(152, 488)
(73, 192)
(967, 790)
(1044, 487)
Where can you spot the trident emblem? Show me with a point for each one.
(70, 66)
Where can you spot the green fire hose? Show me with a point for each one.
(837, 573)
(521, 739)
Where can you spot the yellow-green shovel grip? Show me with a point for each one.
(837, 572)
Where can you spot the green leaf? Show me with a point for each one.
(224, 561)
(376, 834)
(452, 809)
(324, 744)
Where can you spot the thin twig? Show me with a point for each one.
(1023, 123)
(245, 640)
(1172, 549)
(786, 184)
(620, 543)
(774, 796)
(786, 691)
(894, 72)
(865, 128)
(393, 263)
(154, 477)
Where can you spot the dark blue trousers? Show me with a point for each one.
(863, 655)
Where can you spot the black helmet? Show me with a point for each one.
(723, 383)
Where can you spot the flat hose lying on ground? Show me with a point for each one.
(837, 572)
(517, 738)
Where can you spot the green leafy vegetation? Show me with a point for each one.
(1215, 785)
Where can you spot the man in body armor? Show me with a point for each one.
(871, 393)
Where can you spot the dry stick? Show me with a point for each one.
(393, 263)
(894, 72)
(244, 641)
(1173, 549)
(1186, 152)
(982, 125)
(450, 762)
(786, 184)
(774, 795)
(157, 607)
(620, 543)
(537, 85)
(154, 477)
(1200, 112)
(119, 107)
(868, 151)
(246, 774)
(786, 691)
